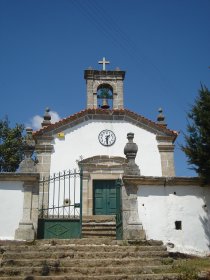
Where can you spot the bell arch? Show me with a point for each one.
(105, 96)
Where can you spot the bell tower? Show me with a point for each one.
(104, 87)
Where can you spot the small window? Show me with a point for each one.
(178, 225)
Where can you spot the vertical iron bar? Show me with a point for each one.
(64, 186)
(58, 193)
(53, 195)
(81, 177)
(43, 179)
(48, 196)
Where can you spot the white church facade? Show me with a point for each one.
(110, 143)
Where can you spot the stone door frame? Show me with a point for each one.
(99, 168)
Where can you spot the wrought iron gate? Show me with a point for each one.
(60, 213)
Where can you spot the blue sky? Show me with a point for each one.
(45, 45)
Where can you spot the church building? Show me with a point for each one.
(96, 137)
(104, 171)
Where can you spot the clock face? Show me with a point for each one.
(106, 137)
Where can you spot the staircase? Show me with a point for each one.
(99, 226)
(88, 258)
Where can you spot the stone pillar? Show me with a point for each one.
(118, 95)
(91, 95)
(44, 150)
(132, 226)
(85, 194)
(28, 224)
(166, 150)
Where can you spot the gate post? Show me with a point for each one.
(81, 191)
(28, 224)
(119, 222)
(132, 226)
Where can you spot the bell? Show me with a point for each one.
(105, 104)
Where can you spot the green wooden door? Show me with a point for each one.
(104, 197)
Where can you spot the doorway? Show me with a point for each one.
(104, 197)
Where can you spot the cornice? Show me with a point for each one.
(95, 74)
(11, 176)
(166, 148)
(163, 181)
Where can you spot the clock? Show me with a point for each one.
(106, 137)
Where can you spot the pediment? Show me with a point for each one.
(106, 115)
(103, 162)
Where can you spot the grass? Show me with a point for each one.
(192, 268)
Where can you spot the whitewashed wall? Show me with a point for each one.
(11, 207)
(82, 140)
(159, 207)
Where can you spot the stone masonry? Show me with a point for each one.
(95, 78)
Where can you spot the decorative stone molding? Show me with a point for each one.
(23, 177)
(161, 181)
(100, 114)
(103, 164)
(130, 151)
(99, 168)
(161, 118)
(46, 118)
(28, 164)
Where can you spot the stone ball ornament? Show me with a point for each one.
(130, 152)
(131, 148)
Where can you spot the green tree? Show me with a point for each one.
(197, 147)
(11, 146)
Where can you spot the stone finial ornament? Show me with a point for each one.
(161, 117)
(130, 152)
(47, 118)
(28, 164)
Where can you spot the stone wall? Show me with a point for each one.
(19, 194)
(175, 210)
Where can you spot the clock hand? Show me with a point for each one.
(107, 138)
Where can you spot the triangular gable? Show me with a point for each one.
(111, 115)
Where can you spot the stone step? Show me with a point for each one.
(82, 248)
(56, 269)
(20, 250)
(99, 219)
(165, 276)
(90, 258)
(99, 226)
(72, 254)
(91, 232)
(86, 262)
(86, 241)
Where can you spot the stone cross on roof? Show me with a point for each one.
(104, 62)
